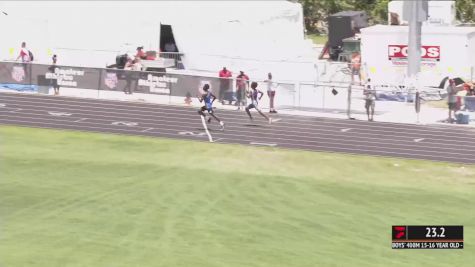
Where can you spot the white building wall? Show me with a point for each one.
(455, 53)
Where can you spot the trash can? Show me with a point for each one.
(43, 85)
(462, 118)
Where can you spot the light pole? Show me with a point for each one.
(415, 12)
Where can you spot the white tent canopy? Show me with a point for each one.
(239, 34)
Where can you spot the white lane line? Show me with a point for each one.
(191, 133)
(387, 137)
(157, 107)
(276, 120)
(375, 132)
(59, 114)
(2, 105)
(15, 110)
(83, 119)
(262, 144)
(418, 140)
(318, 146)
(345, 130)
(146, 130)
(387, 155)
(314, 138)
(125, 123)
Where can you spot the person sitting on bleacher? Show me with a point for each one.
(140, 53)
(470, 89)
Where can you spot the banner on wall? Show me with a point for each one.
(105, 79)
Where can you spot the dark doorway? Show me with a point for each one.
(168, 46)
(167, 41)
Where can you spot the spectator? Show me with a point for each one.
(140, 53)
(188, 99)
(25, 54)
(151, 55)
(242, 81)
(355, 67)
(370, 99)
(136, 64)
(471, 89)
(128, 75)
(270, 92)
(452, 99)
(54, 82)
(224, 83)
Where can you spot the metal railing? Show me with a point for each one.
(176, 56)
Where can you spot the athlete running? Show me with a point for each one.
(253, 95)
(208, 98)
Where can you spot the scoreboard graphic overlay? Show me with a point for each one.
(427, 237)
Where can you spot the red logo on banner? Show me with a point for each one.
(111, 80)
(428, 52)
(18, 73)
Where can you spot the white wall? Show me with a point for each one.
(210, 33)
(471, 51)
(439, 10)
(455, 58)
(14, 31)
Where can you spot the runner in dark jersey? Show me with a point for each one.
(253, 95)
(208, 98)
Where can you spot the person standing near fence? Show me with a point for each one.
(224, 83)
(270, 92)
(242, 81)
(25, 54)
(355, 67)
(370, 99)
(54, 82)
(452, 99)
(128, 75)
(26, 57)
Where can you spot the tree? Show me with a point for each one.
(465, 10)
(316, 11)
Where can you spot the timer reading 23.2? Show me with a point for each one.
(432, 232)
(427, 237)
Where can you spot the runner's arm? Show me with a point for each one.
(262, 94)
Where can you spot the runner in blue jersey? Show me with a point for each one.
(208, 98)
(253, 95)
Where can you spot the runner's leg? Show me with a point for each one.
(372, 110)
(269, 119)
(248, 112)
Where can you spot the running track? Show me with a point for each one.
(439, 143)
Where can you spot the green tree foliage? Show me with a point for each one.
(466, 10)
(316, 11)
